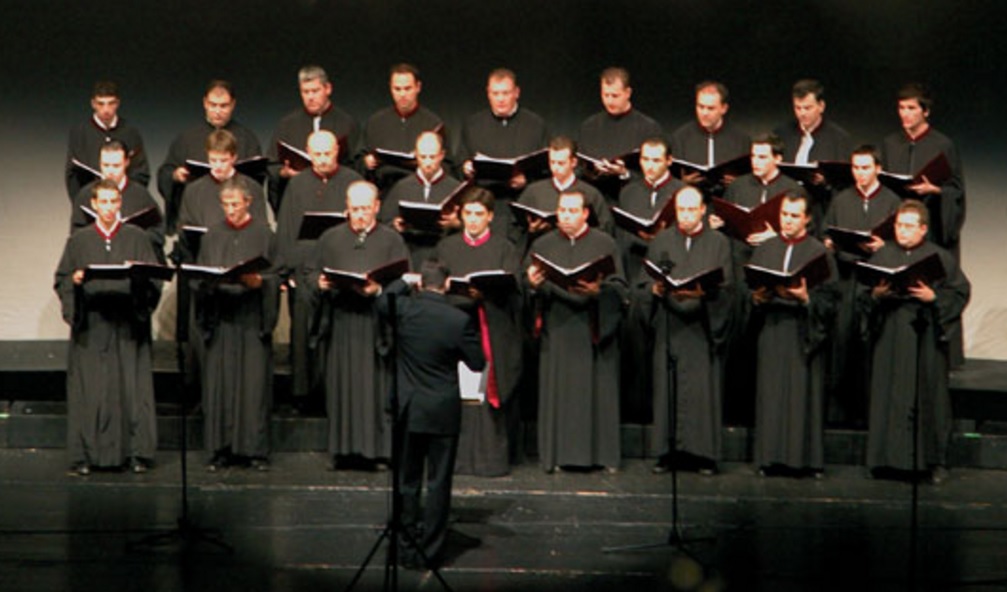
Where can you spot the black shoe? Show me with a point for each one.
(219, 461)
(138, 465)
(80, 469)
(259, 464)
(708, 471)
(939, 475)
(660, 468)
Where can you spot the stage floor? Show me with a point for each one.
(302, 527)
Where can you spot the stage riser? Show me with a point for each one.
(25, 426)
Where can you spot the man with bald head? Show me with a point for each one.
(322, 188)
(690, 331)
(429, 184)
(354, 345)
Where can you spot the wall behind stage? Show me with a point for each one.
(163, 53)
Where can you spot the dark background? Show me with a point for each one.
(162, 55)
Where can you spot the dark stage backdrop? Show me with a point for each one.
(162, 54)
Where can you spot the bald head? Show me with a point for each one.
(429, 154)
(361, 205)
(324, 152)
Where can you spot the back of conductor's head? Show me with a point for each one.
(433, 275)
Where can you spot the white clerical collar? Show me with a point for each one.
(428, 182)
(564, 186)
(111, 126)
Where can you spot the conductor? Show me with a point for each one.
(433, 337)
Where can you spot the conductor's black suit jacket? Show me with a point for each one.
(433, 336)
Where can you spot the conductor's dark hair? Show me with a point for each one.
(478, 195)
(433, 274)
(563, 143)
(237, 185)
(808, 86)
(719, 87)
(918, 91)
(224, 85)
(774, 141)
(499, 73)
(221, 140)
(404, 68)
(870, 149)
(915, 205)
(105, 185)
(610, 75)
(105, 88)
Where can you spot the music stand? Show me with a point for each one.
(394, 532)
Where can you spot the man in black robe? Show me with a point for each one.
(110, 387)
(504, 130)
(905, 152)
(810, 138)
(578, 418)
(322, 188)
(397, 127)
(113, 162)
(104, 126)
(691, 328)
(433, 339)
(904, 360)
(354, 342)
(613, 133)
(489, 428)
(712, 139)
(317, 112)
(793, 327)
(543, 195)
(429, 183)
(219, 102)
(862, 207)
(236, 322)
(642, 198)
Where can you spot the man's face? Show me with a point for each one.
(221, 163)
(429, 156)
(503, 95)
(571, 215)
(912, 114)
(476, 218)
(235, 206)
(689, 211)
(865, 170)
(808, 110)
(315, 96)
(362, 209)
(107, 204)
(764, 161)
(909, 231)
(793, 218)
(105, 108)
(219, 107)
(710, 110)
(113, 164)
(562, 163)
(654, 162)
(405, 92)
(615, 97)
(324, 153)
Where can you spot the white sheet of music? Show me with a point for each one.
(472, 384)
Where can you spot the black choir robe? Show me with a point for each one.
(690, 142)
(109, 384)
(306, 192)
(191, 145)
(236, 324)
(85, 143)
(830, 142)
(606, 136)
(294, 129)
(389, 130)
(484, 449)
(790, 365)
(689, 339)
(135, 197)
(544, 195)
(422, 243)
(353, 342)
(502, 137)
(201, 206)
(895, 354)
(848, 363)
(578, 417)
(640, 199)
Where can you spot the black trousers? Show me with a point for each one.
(435, 453)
